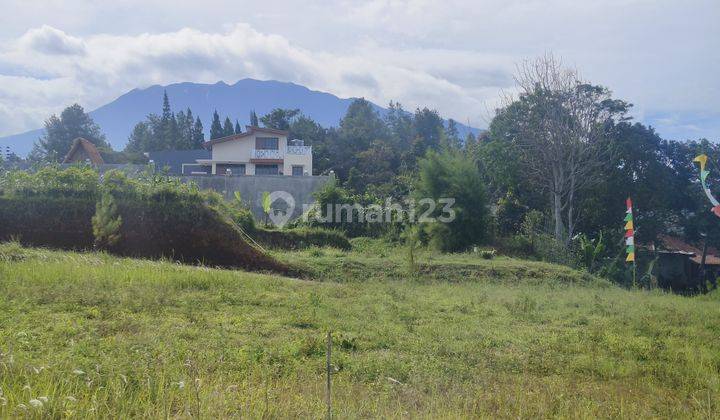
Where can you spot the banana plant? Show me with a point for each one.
(591, 250)
(266, 205)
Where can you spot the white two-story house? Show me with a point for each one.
(258, 151)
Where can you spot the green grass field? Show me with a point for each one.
(91, 335)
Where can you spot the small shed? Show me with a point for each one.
(83, 151)
(679, 264)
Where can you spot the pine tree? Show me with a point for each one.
(169, 133)
(452, 135)
(238, 130)
(228, 128)
(183, 130)
(216, 129)
(254, 119)
(198, 134)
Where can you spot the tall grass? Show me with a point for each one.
(100, 336)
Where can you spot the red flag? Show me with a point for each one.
(629, 233)
(629, 203)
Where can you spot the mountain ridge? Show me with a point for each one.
(118, 117)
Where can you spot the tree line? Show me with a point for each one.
(559, 158)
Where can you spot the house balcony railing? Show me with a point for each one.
(266, 154)
(299, 150)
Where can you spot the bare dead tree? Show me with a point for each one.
(560, 123)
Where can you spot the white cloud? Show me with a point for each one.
(52, 41)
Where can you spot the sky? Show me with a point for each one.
(458, 57)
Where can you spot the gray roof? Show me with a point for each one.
(174, 159)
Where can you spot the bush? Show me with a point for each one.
(452, 174)
(332, 196)
(510, 214)
(487, 254)
(57, 222)
(516, 246)
(301, 238)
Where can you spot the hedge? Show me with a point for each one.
(56, 222)
(302, 238)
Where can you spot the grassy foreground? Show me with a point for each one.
(90, 335)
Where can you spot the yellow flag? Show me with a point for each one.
(629, 225)
(702, 160)
(630, 257)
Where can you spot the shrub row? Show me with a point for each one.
(301, 238)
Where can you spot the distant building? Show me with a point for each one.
(83, 151)
(258, 151)
(680, 265)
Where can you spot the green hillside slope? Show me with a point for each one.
(90, 335)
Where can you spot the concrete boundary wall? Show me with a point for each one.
(252, 187)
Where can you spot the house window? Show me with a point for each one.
(297, 170)
(234, 168)
(266, 143)
(194, 169)
(266, 170)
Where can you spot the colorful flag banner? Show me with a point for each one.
(702, 160)
(629, 232)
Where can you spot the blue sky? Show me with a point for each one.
(455, 56)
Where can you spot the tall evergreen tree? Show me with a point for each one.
(189, 135)
(168, 125)
(452, 136)
(254, 119)
(198, 134)
(183, 132)
(216, 129)
(238, 130)
(228, 128)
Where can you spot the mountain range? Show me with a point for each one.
(117, 118)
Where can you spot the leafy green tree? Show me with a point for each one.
(60, 132)
(216, 128)
(358, 129)
(279, 118)
(430, 131)
(141, 139)
(560, 124)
